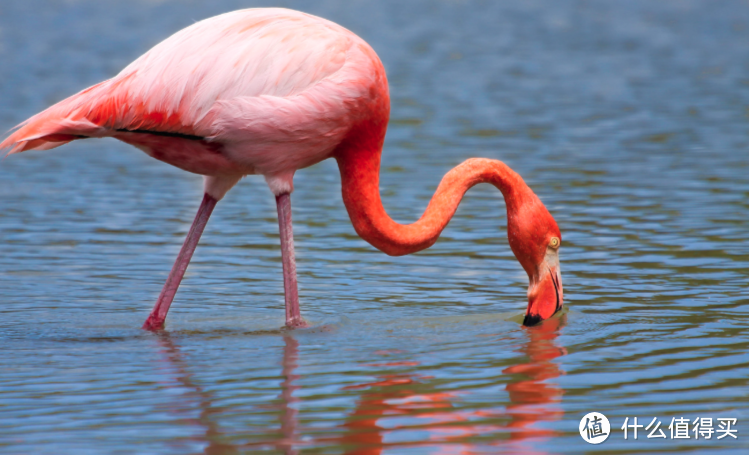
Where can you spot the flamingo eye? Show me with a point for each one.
(555, 242)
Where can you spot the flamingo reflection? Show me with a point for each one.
(289, 414)
(195, 397)
(533, 397)
(401, 410)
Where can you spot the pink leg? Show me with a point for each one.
(293, 316)
(156, 319)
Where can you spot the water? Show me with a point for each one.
(629, 119)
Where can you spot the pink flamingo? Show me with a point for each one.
(271, 91)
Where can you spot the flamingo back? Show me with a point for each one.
(282, 81)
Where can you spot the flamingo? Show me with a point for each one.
(269, 91)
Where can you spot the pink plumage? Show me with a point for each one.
(271, 91)
(267, 91)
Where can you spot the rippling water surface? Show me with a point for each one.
(628, 119)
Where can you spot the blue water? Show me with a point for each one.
(628, 119)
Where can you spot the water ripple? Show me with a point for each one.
(627, 120)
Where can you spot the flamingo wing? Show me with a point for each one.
(266, 76)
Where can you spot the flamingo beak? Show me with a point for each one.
(545, 297)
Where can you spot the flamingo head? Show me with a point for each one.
(535, 240)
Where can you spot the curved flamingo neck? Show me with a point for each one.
(360, 177)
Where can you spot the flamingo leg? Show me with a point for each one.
(291, 295)
(156, 319)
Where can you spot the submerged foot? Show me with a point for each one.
(297, 323)
(153, 324)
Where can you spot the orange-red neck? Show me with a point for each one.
(360, 177)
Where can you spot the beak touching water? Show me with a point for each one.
(535, 240)
(545, 296)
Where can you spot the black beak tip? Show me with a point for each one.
(531, 320)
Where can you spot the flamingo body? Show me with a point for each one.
(257, 91)
(271, 91)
